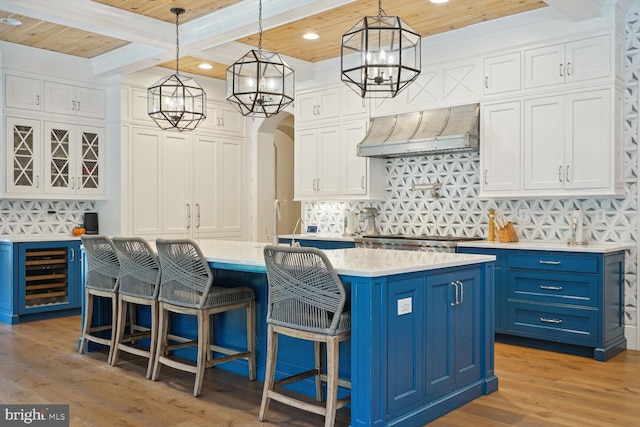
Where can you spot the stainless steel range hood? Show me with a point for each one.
(442, 130)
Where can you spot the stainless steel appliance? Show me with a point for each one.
(368, 215)
(412, 242)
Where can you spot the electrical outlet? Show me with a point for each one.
(523, 216)
(600, 216)
(404, 306)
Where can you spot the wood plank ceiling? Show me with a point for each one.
(424, 17)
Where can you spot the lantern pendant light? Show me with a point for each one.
(380, 56)
(260, 84)
(177, 102)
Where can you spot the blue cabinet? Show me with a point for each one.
(437, 334)
(558, 300)
(39, 279)
(500, 285)
(320, 244)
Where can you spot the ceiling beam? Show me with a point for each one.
(206, 36)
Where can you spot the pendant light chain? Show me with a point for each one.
(260, 26)
(380, 11)
(177, 44)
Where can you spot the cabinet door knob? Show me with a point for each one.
(73, 255)
(485, 179)
(37, 99)
(486, 82)
(560, 70)
(362, 182)
(551, 288)
(77, 105)
(318, 110)
(198, 215)
(73, 105)
(560, 173)
(188, 216)
(566, 173)
(568, 68)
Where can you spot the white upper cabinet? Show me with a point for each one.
(223, 117)
(139, 106)
(568, 143)
(352, 104)
(23, 157)
(64, 160)
(361, 176)
(23, 93)
(317, 162)
(576, 61)
(73, 159)
(439, 85)
(317, 105)
(501, 147)
(502, 73)
(74, 100)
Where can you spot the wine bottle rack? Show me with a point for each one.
(46, 276)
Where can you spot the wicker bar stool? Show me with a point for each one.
(186, 287)
(139, 285)
(306, 301)
(103, 270)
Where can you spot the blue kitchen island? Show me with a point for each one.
(422, 329)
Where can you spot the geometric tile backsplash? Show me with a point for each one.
(459, 211)
(45, 218)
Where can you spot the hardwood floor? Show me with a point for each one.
(39, 364)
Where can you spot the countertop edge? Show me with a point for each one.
(550, 246)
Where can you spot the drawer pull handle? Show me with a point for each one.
(554, 321)
(551, 288)
(542, 261)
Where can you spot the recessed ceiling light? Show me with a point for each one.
(439, 1)
(310, 36)
(205, 66)
(10, 21)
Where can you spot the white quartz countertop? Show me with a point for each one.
(363, 262)
(591, 247)
(334, 237)
(25, 238)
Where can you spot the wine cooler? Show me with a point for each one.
(47, 276)
(40, 280)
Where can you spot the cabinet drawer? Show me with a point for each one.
(568, 325)
(554, 261)
(559, 288)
